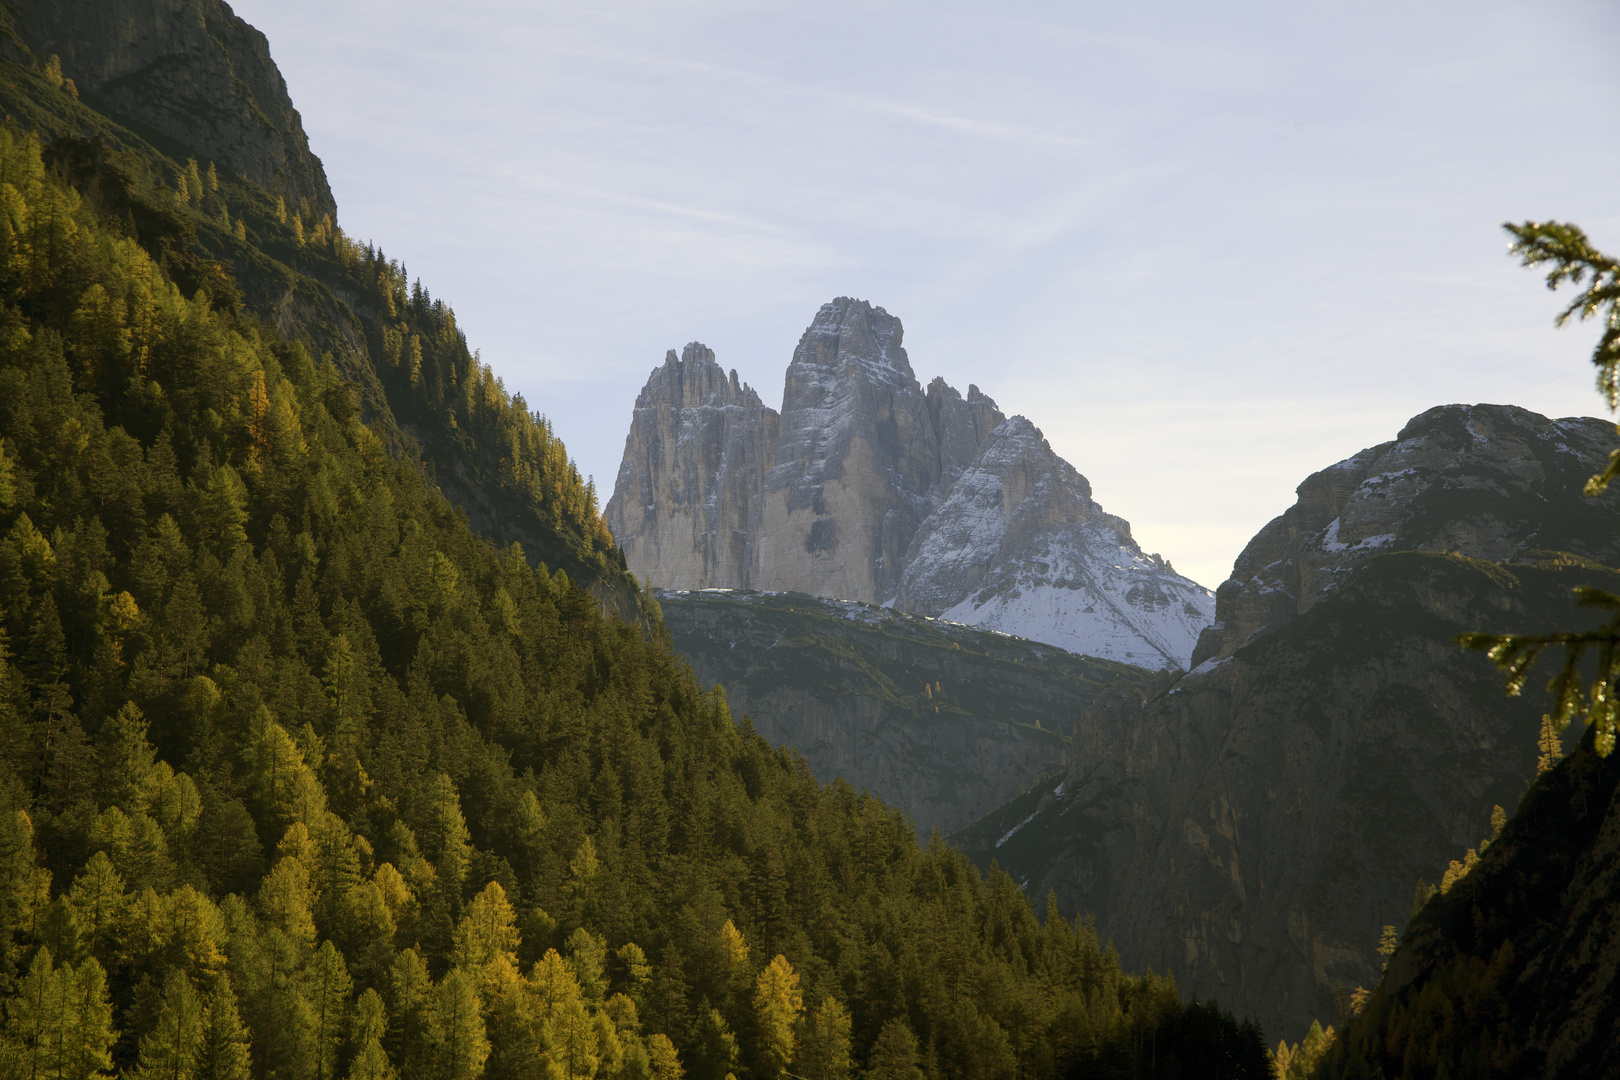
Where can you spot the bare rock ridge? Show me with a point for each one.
(1489, 481)
(1250, 826)
(189, 74)
(867, 487)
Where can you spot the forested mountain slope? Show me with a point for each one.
(940, 720)
(172, 121)
(301, 777)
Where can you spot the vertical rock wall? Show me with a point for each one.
(855, 462)
(691, 483)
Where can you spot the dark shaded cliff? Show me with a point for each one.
(188, 75)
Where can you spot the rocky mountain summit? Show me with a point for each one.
(1489, 481)
(868, 487)
(1249, 827)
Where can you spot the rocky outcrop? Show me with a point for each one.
(878, 491)
(692, 479)
(942, 721)
(187, 73)
(1251, 826)
(1491, 481)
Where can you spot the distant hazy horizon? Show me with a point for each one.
(1207, 252)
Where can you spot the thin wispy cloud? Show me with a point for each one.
(1207, 251)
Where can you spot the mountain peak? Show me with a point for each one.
(877, 490)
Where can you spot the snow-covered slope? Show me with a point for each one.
(1018, 545)
(868, 488)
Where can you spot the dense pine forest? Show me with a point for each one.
(303, 778)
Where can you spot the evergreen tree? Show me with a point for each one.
(778, 1005)
(370, 1061)
(460, 1045)
(824, 1048)
(172, 1048)
(894, 1055)
(226, 1047)
(328, 995)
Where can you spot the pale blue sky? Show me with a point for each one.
(1207, 248)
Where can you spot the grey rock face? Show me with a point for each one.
(962, 425)
(1251, 826)
(855, 461)
(187, 72)
(878, 491)
(1477, 479)
(692, 480)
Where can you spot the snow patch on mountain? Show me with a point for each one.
(1019, 545)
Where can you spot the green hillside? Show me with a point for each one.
(304, 778)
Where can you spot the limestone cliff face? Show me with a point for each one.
(962, 425)
(878, 491)
(189, 74)
(1476, 479)
(692, 480)
(1251, 826)
(855, 462)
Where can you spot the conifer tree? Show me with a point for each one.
(778, 1005)
(459, 1038)
(226, 1047)
(894, 1054)
(666, 1063)
(370, 1061)
(412, 1011)
(328, 995)
(824, 1046)
(172, 1048)
(90, 1035)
